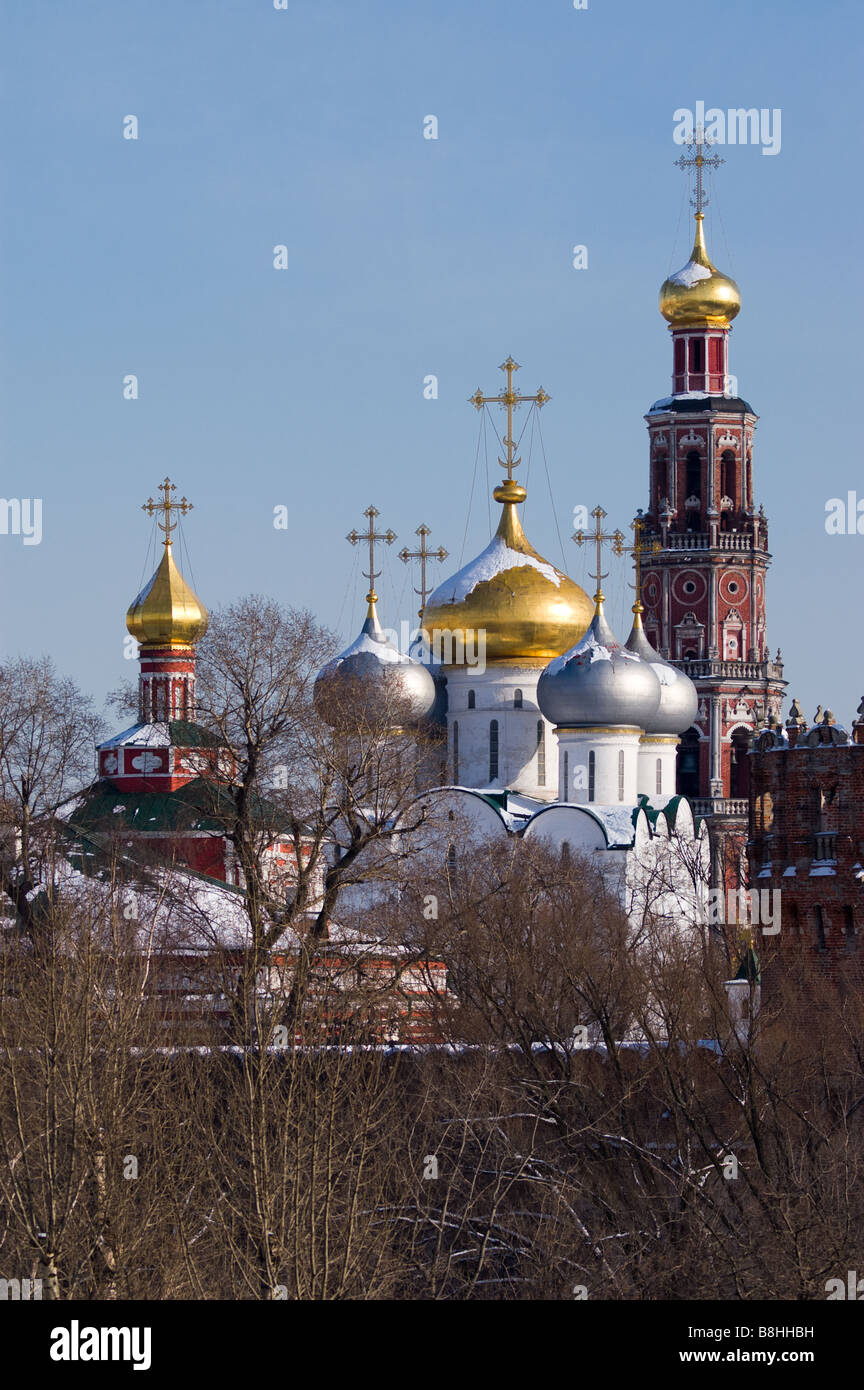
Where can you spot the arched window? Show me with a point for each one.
(452, 865)
(728, 476)
(517, 699)
(661, 479)
(541, 755)
(456, 751)
(819, 921)
(849, 929)
(565, 854)
(687, 771)
(659, 778)
(471, 699)
(620, 774)
(739, 765)
(565, 779)
(493, 750)
(591, 769)
(765, 813)
(693, 483)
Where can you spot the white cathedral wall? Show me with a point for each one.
(667, 875)
(574, 775)
(520, 766)
(654, 749)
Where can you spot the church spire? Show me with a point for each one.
(167, 618)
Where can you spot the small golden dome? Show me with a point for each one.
(167, 613)
(529, 610)
(698, 294)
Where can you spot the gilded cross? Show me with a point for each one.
(599, 538)
(699, 161)
(166, 506)
(637, 550)
(371, 537)
(508, 399)
(423, 555)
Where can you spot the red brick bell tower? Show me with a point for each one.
(703, 583)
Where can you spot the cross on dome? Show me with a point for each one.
(637, 550)
(699, 161)
(424, 555)
(600, 538)
(372, 537)
(508, 399)
(166, 506)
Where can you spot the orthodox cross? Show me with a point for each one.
(166, 507)
(508, 399)
(637, 550)
(423, 555)
(599, 537)
(699, 161)
(371, 537)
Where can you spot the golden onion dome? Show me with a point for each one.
(529, 611)
(167, 612)
(699, 295)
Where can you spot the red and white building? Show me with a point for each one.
(706, 555)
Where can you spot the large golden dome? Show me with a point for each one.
(167, 613)
(529, 610)
(698, 294)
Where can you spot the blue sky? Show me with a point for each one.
(406, 257)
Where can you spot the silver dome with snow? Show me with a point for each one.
(679, 699)
(373, 682)
(599, 682)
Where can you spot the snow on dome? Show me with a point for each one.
(690, 275)
(495, 559)
(374, 680)
(599, 682)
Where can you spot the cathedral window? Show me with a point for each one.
(471, 699)
(452, 865)
(565, 779)
(620, 774)
(659, 781)
(849, 929)
(661, 479)
(493, 750)
(697, 355)
(592, 764)
(541, 755)
(693, 481)
(517, 699)
(739, 767)
(565, 854)
(456, 751)
(727, 475)
(688, 764)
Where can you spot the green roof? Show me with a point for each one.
(201, 804)
(184, 734)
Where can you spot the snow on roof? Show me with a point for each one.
(617, 821)
(594, 650)
(690, 275)
(370, 646)
(497, 558)
(175, 912)
(141, 736)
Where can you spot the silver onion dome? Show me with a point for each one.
(679, 699)
(599, 682)
(372, 681)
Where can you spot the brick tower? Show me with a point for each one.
(706, 548)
